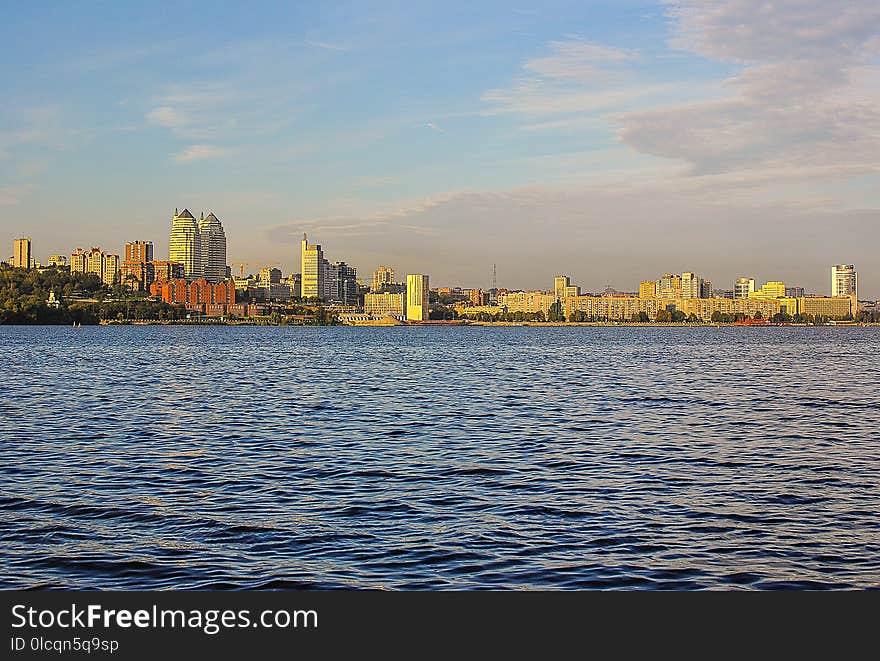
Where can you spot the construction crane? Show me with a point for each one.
(241, 266)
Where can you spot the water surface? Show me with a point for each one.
(451, 458)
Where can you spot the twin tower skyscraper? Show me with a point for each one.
(199, 245)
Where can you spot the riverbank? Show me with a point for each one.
(486, 324)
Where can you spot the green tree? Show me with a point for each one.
(556, 312)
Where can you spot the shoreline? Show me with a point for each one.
(471, 324)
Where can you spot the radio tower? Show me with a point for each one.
(494, 279)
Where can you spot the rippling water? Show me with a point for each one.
(423, 458)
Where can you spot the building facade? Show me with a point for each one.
(96, 261)
(212, 239)
(21, 254)
(690, 285)
(844, 280)
(346, 290)
(417, 300)
(385, 304)
(165, 271)
(137, 275)
(769, 290)
(313, 270)
(527, 301)
(648, 289)
(195, 292)
(629, 307)
(139, 251)
(743, 287)
(185, 245)
(669, 286)
(382, 277)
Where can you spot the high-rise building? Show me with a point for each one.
(705, 289)
(136, 271)
(95, 261)
(139, 251)
(330, 282)
(213, 248)
(57, 260)
(347, 291)
(794, 292)
(111, 268)
(669, 286)
(78, 261)
(313, 270)
(690, 285)
(417, 305)
(844, 280)
(648, 289)
(184, 244)
(743, 287)
(21, 254)
(383, 277)
(560, 282)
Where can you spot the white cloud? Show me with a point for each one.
(577, 76)
(326, 45)
(806, 93)
(749, 31)
(578, 60)
(200, 153)
(168, 117)
(537, 98)
(209, 112)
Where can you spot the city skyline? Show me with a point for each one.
(603, 135)
(335, 281)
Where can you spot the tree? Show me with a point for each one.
(556, 312)
(663, 316)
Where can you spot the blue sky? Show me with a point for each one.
(612, 141)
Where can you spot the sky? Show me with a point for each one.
(609, 141)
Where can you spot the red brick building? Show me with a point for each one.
(196, 293)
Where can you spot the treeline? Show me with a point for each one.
(300, 315)
(24, 296)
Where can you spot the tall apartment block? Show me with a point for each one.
(417, 305)
(21, 254)
(844, 280)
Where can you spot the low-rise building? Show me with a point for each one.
(385, 304)
(195, 292)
